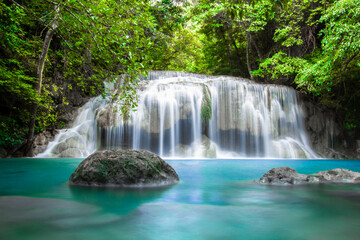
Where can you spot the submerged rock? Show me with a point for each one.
(286, 175)
(124, 168)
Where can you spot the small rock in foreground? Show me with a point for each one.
(124, 168)
(286, 175)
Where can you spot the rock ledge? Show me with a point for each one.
(286, 175)
(124, 168)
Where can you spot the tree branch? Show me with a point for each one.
(349, 60)
(90, 15)
(17, 4)
(91, 33)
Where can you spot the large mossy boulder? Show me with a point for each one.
(124, 168)
(286, 175)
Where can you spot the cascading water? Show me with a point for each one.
(80, 140)
(247, 119)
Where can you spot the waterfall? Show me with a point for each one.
(248, 120)
(80, 140)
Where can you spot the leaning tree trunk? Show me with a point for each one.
(30, 139)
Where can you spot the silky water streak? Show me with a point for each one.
(247, 120)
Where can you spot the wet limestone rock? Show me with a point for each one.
(339, 175)
(42, 140)
(286, 175)
(124, 168)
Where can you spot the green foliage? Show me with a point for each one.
(15, 78)
(316, 75)
(217, 38)
(47, 114)
(93, 42)
(11, 32)
(258, 15)
(280, 67)
(168, 19)
(185, 52)
(127, 94)
(228, 27)
(10, 132)
(341, 34)
(338, 62)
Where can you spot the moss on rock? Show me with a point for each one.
(124, 168)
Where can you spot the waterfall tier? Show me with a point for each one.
(192, 115)
(80, 140)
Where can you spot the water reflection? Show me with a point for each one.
(117, 200)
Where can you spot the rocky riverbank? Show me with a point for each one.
(286, 175)
(326, 132)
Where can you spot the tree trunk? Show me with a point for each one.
(228, 47)
(255, 46)
(248, 42)
(349, 60)
(238, 58)
(44, 51)
(236, 51)
(248, 56)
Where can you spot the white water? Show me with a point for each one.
(80, 140)
(248, 120)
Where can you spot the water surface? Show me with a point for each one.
(216, 199)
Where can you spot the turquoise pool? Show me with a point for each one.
(216, 199)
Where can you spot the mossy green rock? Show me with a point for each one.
(124, 168)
